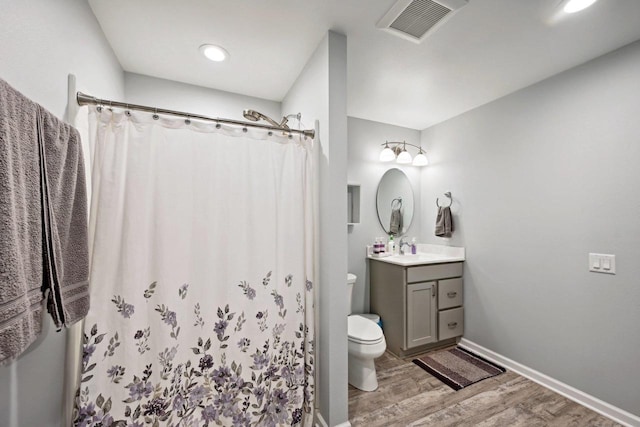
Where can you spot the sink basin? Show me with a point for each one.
(438, 255)
(419, 258)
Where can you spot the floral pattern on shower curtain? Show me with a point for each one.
(201, 276)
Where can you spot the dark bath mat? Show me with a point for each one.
(457, 367)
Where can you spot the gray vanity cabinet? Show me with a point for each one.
(420, 306)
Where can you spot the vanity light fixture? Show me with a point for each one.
(404, 158)
(387, 154)
(420, 159)
(214, 53)
(397, 150)
(572, 6)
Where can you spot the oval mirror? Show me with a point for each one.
(394, 202)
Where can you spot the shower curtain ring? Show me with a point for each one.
(155, 114)
(126, 110)
(187, 121)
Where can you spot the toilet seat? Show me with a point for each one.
(363, 331)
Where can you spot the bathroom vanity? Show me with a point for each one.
(419, 298)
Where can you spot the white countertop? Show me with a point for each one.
(427, 254)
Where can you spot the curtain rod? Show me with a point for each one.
(84, 99)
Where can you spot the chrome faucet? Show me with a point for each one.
(402, 244)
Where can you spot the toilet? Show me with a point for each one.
(366, 343)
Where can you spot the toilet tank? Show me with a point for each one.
(351, 279)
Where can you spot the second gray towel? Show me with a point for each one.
(64, 196)
(444, 222)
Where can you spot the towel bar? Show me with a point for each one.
(448, 194)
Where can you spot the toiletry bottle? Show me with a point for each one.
(376, 246)
(391, 244)
(414, 246)
(382, 245)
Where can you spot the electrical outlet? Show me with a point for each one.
(602, 263)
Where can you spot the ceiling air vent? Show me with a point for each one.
(416, 19)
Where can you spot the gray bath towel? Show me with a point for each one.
(20, 224)
(23, 242)
(444, 222)
(64, 196)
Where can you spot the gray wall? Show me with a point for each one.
(366, 170)
(319, 94)
(40, 43)
(540, 178)
(146, 90)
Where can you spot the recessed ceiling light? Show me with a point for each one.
(573, 6)
(213, 52)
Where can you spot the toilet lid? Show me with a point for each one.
(363, 330)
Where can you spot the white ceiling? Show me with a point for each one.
(488, 49)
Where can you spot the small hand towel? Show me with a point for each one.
(395, 226)
(444, 222)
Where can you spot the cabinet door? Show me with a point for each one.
(421, 314)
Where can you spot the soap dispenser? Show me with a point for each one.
(391, 245)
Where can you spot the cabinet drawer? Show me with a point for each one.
(449, 293)
(425, 273)
(450, 323)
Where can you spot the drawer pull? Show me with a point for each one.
(452, 294)
(452, 325)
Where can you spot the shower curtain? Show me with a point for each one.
(201, 275)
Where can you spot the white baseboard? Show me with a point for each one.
(616, 414)
(320, 422)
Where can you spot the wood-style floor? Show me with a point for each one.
(409, 396)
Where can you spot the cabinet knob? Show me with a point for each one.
(452, 325)
(452, 294)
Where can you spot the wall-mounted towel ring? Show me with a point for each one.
(448, 194)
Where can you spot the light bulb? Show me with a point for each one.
(404, 157)
(213, 52)
(573, 6)
(420, 159)
(387, 154)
